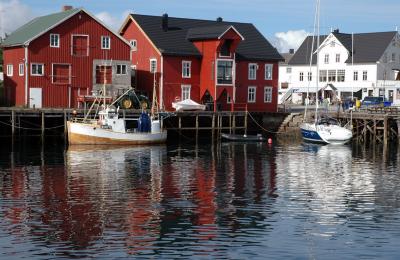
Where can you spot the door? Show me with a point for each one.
(35, 97)
(391, 95)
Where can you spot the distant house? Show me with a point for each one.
(225, 65)
(366, 64)
(56, 59)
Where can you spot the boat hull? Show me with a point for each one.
(325, 134)
(242, 138)
(81, 133)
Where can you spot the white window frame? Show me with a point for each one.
(337, 58)
(105, 42)
(301, 76)
(10, 70)
(189, 69)
(268, 90)
(255, 66)
(355, 75)
(309, 76)
(215, 71)
(133, 44)
(269, 68)
(52, 73)
(21, 69)
(289, 70)
(121, 70)
(326, 59)
(58, 40)
(37, 64)
(151, 67)
(72, 44)
(365, 75)
(185, 92)
(248, 94)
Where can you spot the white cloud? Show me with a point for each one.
(284, 41)
(112, 21)
(13, 14)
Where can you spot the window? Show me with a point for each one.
(61, 74)
(365, 75)
(37, 69)
(153, 66)
(288, 70)
(225, 48)
(224, 72)
(267, 94)
(252, 70)
(323, 74)
(80, 45)
(355, 75)
(341, 75)
(133, 44)
(333, 44)
(103, 74)
(309, 76)
(186, 69)
(121, 69)
(393, 57)
(301, 77)
(105, 42)
(54, 40)
(10, 70)
(268, 71)
(21, 69)
(337, 58)
(331, 75)
(185, 92)
(251, 95)
(326, 59)
(228, 99)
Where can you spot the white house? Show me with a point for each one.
(366, 64)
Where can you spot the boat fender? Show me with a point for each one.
(269, 140)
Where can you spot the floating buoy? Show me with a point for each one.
(270, 140)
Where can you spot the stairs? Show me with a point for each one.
(291, 123)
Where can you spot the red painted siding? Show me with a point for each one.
(173, 79)
(14, 86)
(141, 58)
(82, 78)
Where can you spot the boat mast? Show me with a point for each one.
(317, 52)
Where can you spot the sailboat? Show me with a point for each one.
(322, 130)
(108, 128)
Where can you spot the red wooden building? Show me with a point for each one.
(223, 64)
(58, 59)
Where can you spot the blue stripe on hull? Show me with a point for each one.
(311, 136)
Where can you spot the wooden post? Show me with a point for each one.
(213, 126)
(398, 129)
(234, 124)
(375, 131)
(385, 130)
(365, 130)
(12, 122)
(197, 127)
(43, 127)
(245, 123)
(230, 123)
(65, 124)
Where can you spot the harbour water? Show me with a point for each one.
(228, 200)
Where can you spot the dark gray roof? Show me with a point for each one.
(368, 47)
(175, 40)
(287, 56)
(207, 32)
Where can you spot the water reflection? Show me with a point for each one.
(229, 200)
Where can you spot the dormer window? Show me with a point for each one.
(225, 48)
(133, 44)
(54, 40)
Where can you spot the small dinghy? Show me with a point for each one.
(243, 138)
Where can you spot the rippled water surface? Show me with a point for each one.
(229, 200)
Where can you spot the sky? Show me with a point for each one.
(285, 23)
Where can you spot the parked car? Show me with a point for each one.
(372, 101)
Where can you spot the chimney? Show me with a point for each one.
(164, 22)
(219, 19)
(336, 31)
(291, 51)
(66, 8)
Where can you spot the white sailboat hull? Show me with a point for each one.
(325, 134)
(86, 133)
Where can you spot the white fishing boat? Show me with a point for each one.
(187, 105)
(322, 130)
(108, 128)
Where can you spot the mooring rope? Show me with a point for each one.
(266, 130)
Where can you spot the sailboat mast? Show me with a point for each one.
(317, 62)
